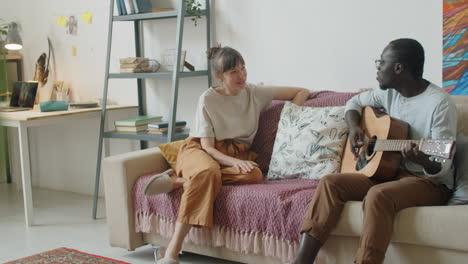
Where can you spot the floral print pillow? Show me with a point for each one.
(309, 142)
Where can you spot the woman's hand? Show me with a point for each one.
(243, 166)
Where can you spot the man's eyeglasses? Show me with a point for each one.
(380, 63)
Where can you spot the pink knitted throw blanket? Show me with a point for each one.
(275, 208)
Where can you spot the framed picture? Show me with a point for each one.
(57, 88)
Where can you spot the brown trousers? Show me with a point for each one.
(205, 176)
(382, 201)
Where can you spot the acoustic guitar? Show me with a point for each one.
(384, 138)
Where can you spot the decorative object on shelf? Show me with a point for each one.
(189, 66)
(168, 59)
(193, 8)
(138, 64)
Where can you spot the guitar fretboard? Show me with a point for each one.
(393, 144)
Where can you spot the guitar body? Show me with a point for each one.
(381, 165)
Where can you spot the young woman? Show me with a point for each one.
(217, 151)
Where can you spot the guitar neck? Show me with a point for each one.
(393, 144)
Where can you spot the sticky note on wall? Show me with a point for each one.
(73, 50)
(62, 21)
(87, 17)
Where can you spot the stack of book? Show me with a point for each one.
(138, 64)
(160, 128)
(136, 124)
(128, 7)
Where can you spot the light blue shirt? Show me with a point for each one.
(430, 115)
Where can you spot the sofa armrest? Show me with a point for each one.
(120, 173)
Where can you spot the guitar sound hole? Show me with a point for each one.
(367, 155)
(371, 146)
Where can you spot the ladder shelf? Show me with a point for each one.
(175, 75)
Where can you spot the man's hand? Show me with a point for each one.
(412, 153)
(356, 137)
(243, 166)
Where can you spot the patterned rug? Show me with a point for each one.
(65, 256)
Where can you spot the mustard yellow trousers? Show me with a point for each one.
(205, 176)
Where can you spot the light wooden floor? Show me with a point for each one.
(64, 220)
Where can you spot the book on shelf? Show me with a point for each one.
(166, 124)
(130, 60)
(129, 7)
(137, 121)
(135, 6)
(119, 7)
(135, 65)
(122, 7)
(163, 130)
(144, 6)
(136, 70)
(131, 128)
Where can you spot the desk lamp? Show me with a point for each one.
(13, 40)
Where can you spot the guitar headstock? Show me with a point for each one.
(442, 148)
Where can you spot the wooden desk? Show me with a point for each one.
(25, 119)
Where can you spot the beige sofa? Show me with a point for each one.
(437, 234)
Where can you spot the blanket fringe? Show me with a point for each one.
(219, 236)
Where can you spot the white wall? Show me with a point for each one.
(315, 44)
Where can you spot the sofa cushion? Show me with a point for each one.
(268, 123)
(460, 195)
(309, 142)
(461, 102)
(433, 226)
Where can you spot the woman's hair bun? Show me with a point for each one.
(211, 52)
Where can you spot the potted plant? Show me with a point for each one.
(193, 8)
